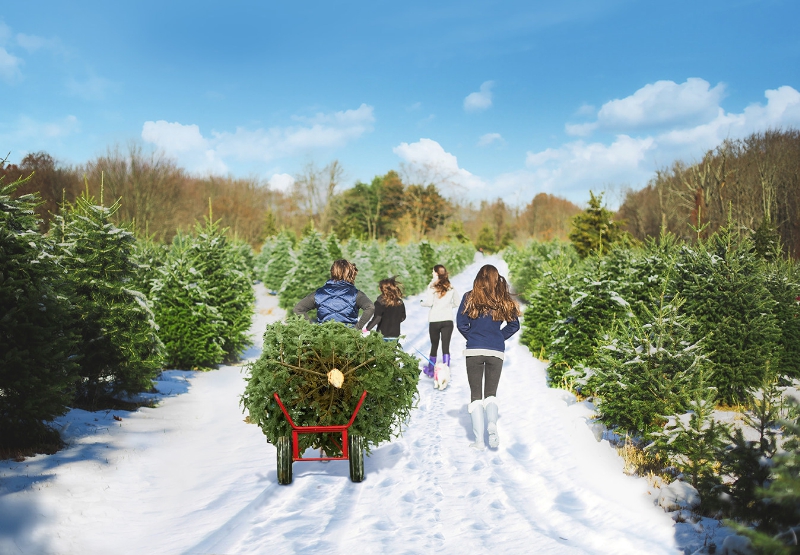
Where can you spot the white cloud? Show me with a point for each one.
(575, 167)
(281, 182)
(660, 104)
(428, 157)
(320, 131)
(9, 66)
(479, 101)
(490, 138)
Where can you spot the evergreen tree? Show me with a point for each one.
(723, 284)
(548, 302)
(270, 226)
(427, 257)
(334, 250)
(646, 370)
(642, 272)
(747, 464)
(282, 260)
(190, 324)
(119, 349)
(365, 280)
(417, 278)
(393, 261)
(379, 269)
(767, 241)
(594, 230)
(486, 240)
(37, 342)
(595, 307)
(228, 280)
(262, 259)
(777, 532)
(313, 269)
(693, 442)
(148, 257)
(781, 281)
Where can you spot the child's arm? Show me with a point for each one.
(363, 303)
(510, 328)
(305, 305)
(377, 317)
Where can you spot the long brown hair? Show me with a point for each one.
(443, 284)
(343, 270)
(490, 295)
(392, 291)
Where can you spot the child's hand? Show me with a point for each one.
(365, 332)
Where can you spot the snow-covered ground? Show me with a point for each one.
(190, 476)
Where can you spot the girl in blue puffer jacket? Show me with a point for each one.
(480, 320)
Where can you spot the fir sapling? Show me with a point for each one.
(310, 272)
(227, 278)
(120, 349)
(693, 442)
(647, 369)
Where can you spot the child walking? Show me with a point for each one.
(480, 320)
(389, 309)
(442, 298)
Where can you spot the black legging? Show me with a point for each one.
(445, 329)
(479, 367)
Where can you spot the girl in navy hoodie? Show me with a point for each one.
(480, 320)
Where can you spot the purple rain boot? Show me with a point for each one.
(446, 359)
(428, 368)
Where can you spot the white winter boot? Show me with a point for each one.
(490, 405)
(476, 412)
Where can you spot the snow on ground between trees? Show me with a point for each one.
(190, 476)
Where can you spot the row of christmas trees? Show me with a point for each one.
(293, 269)
(90, 313)
(660, 334)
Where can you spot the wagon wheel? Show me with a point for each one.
(355, 446)
(284, 460)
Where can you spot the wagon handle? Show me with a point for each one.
(292, 424)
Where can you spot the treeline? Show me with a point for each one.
(659, 336)
(754, 182)
(159, 198)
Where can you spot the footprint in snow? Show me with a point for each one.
(520, 451)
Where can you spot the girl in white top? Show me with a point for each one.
(442, 298)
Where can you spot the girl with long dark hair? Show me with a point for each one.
(480, 319)
(441, 296)
(389, 309)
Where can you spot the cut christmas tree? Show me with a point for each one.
(320, 371)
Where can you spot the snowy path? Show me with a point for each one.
(191, 477)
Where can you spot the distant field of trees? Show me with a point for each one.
(160, 199)
(754, 182)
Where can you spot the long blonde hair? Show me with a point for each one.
(490, 295)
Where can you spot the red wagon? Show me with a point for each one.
(352, 446)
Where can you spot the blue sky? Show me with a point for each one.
(494, 99)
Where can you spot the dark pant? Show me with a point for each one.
(477, 368)
(445, 329)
